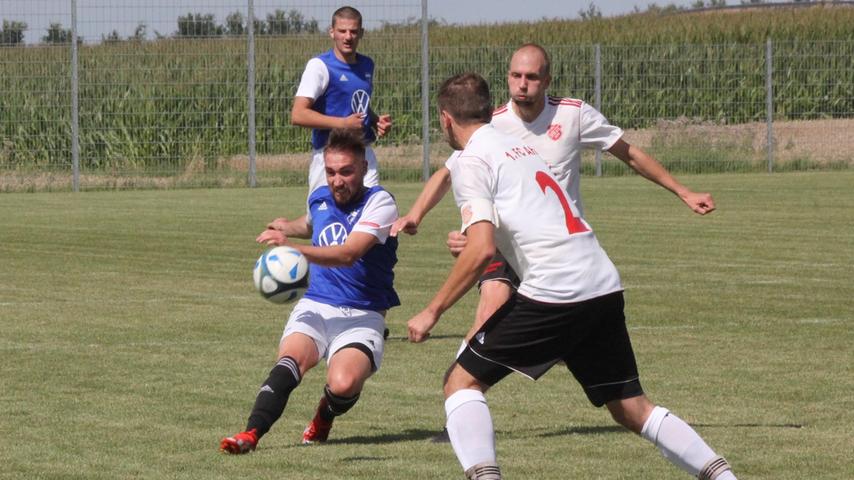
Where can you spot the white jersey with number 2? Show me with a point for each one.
(499, 179)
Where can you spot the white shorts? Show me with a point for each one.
(317, 172)
(333, 327)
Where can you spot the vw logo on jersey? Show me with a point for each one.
(333, 234)
(360, 101)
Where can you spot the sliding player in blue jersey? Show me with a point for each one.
(341, 317)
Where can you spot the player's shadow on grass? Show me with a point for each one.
(600, 429)
(419, 434)
(584, 430)
(414, 434)
(749, 425)
(400, 338)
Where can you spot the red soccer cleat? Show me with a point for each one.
(318, 429)
(243, 442)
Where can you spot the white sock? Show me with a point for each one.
(678, 442)
(470, 427)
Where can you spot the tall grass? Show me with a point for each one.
(164, 107)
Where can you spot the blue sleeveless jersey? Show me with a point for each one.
(367, 284)
(349, 91)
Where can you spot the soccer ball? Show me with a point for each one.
(281, 274)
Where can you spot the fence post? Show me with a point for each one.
(597, 98)
(425, 94)
(250, 87)
(75, 105)
(769, 104)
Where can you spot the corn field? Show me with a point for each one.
(173, 107)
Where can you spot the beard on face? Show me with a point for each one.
(451, 139)
(523, 101)
(342, 195)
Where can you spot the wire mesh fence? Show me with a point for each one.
(193, 94)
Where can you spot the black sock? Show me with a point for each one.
(336, 405)
(273, 396)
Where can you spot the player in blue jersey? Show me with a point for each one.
(335, 92)
(341, 317)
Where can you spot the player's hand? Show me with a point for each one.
(420, 325)
(383, 125)
(404, 224)
(354, 121)
(272, 237)
(701, 203)
(456, 242)
(279, 224)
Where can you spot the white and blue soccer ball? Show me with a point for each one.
(281, 274)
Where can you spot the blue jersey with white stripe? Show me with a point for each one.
(349, 91)
(368, 283)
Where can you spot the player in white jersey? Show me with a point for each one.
(569, 305)
(559, 129)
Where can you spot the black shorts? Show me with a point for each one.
(499, 269)
(529, 337)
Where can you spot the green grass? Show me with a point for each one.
(132, 339)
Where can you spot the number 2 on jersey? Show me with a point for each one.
(573, 225)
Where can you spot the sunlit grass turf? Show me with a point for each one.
(132, 339)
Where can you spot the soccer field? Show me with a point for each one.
(132, 339)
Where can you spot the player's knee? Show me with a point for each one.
(344, 383)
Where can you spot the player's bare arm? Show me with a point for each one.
(302, 115)
(297, 228)
(344, 255)
(432, 193)
(467, 269)
(648, 167)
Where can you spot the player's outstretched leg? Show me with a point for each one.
(684, 447)
(676, 440)
(269, 405)
(330, 406)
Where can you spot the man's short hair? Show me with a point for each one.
(547, 60)
(349, 13)
(466, 98)
(347, 140)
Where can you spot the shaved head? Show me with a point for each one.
(533, 53)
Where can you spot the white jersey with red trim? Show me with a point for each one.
(559, 133)
(500, 179)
